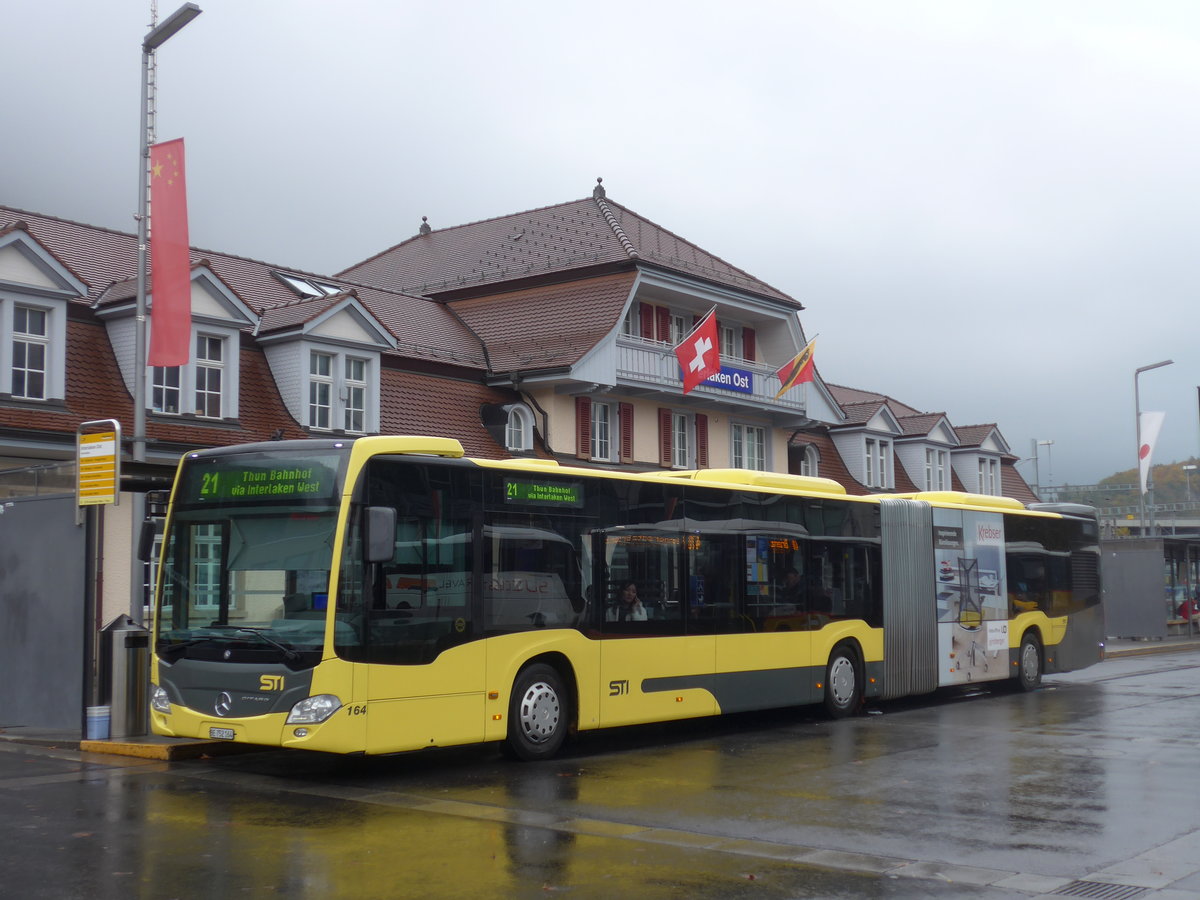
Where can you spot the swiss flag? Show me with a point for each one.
(698, 354)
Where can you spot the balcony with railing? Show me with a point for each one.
(652, 364)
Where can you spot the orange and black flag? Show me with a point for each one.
(798, 370)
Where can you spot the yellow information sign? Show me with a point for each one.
(97, 467)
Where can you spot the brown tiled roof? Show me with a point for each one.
(831, 464)
(843, 396)
(106, 261)
(426, 404)
(860, 413)
(553, 239)
(549, 326)
(1013, 485)
(973, 435)
(919, 425)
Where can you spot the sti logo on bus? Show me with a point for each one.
(270, 683)
(617, 688)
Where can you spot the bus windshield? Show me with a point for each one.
(245, 572)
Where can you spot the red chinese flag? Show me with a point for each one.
(699, 354)
(797, 370)
(170, 263)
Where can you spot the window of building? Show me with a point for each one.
(682, 440)
(749, 447)
(209, 370)
(725, 338)
(30, 344)
(601, 431)
(989, 476)
(679, 328)
(878, 467)
(355, 391)
(810, 462)
(935, 470)
(164, 389)
(320, 389)
(518, 430)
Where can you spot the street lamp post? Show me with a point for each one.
(1187, 473)
(1137, 412)
(1049, 463)
(155, 38)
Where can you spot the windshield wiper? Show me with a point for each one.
(289, 653)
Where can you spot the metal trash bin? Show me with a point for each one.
(126, 663)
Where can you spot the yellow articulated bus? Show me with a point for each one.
(386, 594)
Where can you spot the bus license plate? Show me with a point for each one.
(221, 734)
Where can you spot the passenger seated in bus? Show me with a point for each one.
(628, 607)
(792, 591)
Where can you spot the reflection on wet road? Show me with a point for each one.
(1093, 774)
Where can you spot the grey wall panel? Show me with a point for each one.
(909, 598)
(42, 610)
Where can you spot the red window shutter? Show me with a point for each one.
(583, 427)
(748, 343)
(701, 441)
(625, 411)
(662, 323)
(664, 437)
(646, 319)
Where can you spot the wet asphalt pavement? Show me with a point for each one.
(1092, 779)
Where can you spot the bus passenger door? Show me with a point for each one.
(651, 667)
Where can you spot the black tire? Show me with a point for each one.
(843, 686)
(1029, 662)
(539, 713)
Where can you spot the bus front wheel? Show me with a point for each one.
(843, 691)
(1029, 662)
(538, 713)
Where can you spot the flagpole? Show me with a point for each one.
(155, 38)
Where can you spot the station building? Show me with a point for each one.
(547, 333)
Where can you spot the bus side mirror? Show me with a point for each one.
(379, 539)
(145, 547)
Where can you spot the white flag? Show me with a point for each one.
(1151, 425)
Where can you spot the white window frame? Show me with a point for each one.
(989, 476)
(166, 381)
(727, 342)
(54, 374)
(518, 429)
(877, 463)
(936, 467)
(604, 416)
(748, 446)
(683, 441)
(205, 369)
(353, 394)
(320, 416)
(810, 462)
(230, 341)
(30, 342)
(677, 327)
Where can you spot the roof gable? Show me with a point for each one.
(342, 319)
(25, 262)
(983, 437)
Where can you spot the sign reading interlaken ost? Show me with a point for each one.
(98, 463)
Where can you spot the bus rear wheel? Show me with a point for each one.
(538, 713)
(843, 690)
(1029, 662)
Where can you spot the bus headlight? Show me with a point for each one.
(159, 702)
(314, 710)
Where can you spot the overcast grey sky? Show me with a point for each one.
(988, 209)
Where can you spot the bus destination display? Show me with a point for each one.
(302, 480)
(543, 493)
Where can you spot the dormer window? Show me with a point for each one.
(201, 386)
(936, 470)
(30, 341)
(878, 459)
(518, 430)
(339, 392)
(989, 476)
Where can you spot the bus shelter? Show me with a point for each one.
(1146, 582)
